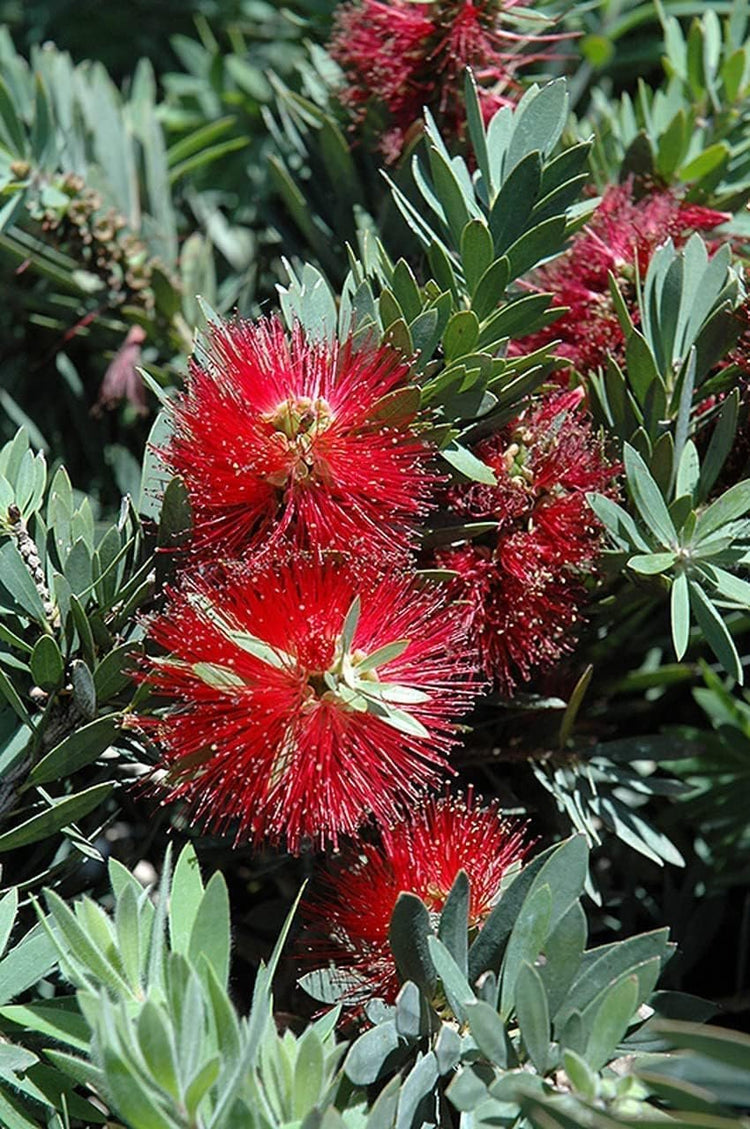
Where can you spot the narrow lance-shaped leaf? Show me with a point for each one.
(648, 498)
(716, 632)
(680, 614)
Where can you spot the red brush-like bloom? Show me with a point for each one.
(308, 695)
(350, 912)
(402, 56)
(280, 438)
(522, 593)
(622, 234)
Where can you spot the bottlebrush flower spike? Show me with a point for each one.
(349, 915)
(402, 56)
(522, 592)
(306, 696)
(622, 235)
(281, 437)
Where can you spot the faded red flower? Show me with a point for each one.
(350, 912)
(306, 695)
(521, 588)
(278, 437)
(122, 380)
(622, 234)
(402, 56)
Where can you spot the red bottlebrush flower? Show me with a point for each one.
(623, 233)
(403, 56)
(308, 695)
(350, 913)
(287, 438)
(523, 593)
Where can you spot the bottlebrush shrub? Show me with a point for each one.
(400, 57)
(350, 911)
(523, 588)
(531, 1026)
(619, 239)
(307, 694)
(283, 436)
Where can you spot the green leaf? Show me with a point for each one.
(539, 120)
(157, 1046)
(611, 1021)
(176, 518)
(58, 1019)
(608, 963)
(81, 951)
(640, 366)
(722, 441)
(369, 1055)
(418, 1089)
(540, 243)
(26, 963)
(563, 951)
(530, 931)
(680, 614)
(486, 950)
(383, 655)
(477, 252)
(488, 1031)
(330, 985)
(449, 194)
(532, 1012)
(648, 498)
(131, 1095)
(468, 1089)
(16, 579)
(218, 677)
(184, 898)
(707, 163)
(77, 568)
(583, 1079)
(728, 587)
(557, 886)
(651, 564)
(8, 907)
(77, 750)
(84, 694)
(61, 814)
(155, 475)
(490, 288)
(211, 931)
(128, 930)
(515, 201)
(732, 1048)
(111, 674)
(734, 503)
(457, 989)
(715, 633)
(83, 627)
(462, 460)
(453, 929)
(9, 692)
(399, 406)
(618, 522)
(14, 130)
(408, 935)
(688, 471)
(351, 621)
(461, 334)
(47, 664)
(406, 290)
